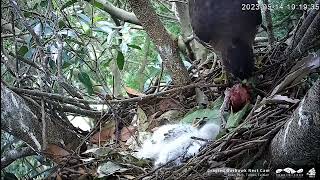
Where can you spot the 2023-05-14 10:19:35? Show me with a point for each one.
(279, 6)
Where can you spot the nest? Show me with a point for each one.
(248, 143)
(244, 147)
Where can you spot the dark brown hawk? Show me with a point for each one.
(229, 26)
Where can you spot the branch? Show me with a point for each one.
(302, 29)
(18, 120)
(135, 99)
(24, 22)
(167, 48)
(306, 41)
(5, 25)
(268, 17)
(74, 109)
(14, 154)
(115, 11)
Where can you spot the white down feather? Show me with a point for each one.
(173, 142)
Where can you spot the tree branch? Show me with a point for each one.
(306, 41)
(18, 120)
(115, 11)
(302, 29)
(14, 154)
(135, 99)
(167, 48)
(268, 17)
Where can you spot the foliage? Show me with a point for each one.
(25, 167)
(286, 13)
(92, 47)
(88, 42)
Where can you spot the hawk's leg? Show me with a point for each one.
(223, 78)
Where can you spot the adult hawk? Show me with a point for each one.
(229, 26)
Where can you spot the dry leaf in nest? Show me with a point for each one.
(106, 133)
(141, 120)
(298, 72)
(109, 168)
(280, 99)
(168, 104)
(127, 132)
(56, 153)
(172, 116)
(133, 93)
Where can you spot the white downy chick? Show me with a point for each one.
(173, 142)
(153, 146)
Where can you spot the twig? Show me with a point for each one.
(151, 172)
(44, 125)
(269, 23)
(224, 106)
(255, 157)
(135, 99)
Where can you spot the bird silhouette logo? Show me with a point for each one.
(289, 171)
(311, 173)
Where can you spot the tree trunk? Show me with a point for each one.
(298, 143)
(18, 120)
(182, 13)
(167, 48)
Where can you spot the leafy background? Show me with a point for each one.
(93, 46)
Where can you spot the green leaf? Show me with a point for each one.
(217, 103)
(134, 46)
(120, 60)
(98, 5)
(86, 19)
(73, 40)
(68, 4)
(9, 176)
(52, 65)
(213, 115)
(235, 118)
(104, 41)
(35, 6)
(103, 29)
(97, 19)
(106, 63)
(66, 64)
(88, 32)
(29, 54)
(100, 152)
(23, 50)
(67, 60)
(27, 14)
(86, 81)
(61, 24)
(44, 3)
(48, 30)
(108, 168)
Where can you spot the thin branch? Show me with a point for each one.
(269, 23)
(306, 41)
(167, 47)
(135, 99)
(300, 31)
(116, 12)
